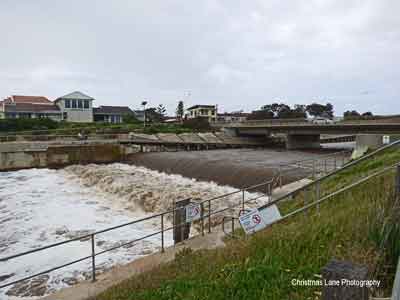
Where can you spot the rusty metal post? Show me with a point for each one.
(93, 259)
(162, 233)
(233, 225)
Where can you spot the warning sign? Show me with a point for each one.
(252, 221)
(386, 139)
(193, 212)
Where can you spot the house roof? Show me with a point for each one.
(112, 110)
(31, 107)
(75, 95)
(200, 106)
(27, 99)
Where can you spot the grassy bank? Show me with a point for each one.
(360, 225)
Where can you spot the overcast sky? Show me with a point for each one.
(237, 54)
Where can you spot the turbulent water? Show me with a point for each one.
(40, 207)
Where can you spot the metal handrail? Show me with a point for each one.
(270, 184)
(334, 172)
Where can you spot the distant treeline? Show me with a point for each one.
(285, 111)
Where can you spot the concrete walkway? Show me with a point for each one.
(87, 289)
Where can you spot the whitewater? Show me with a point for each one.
(39, 207)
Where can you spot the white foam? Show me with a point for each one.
(41, 207)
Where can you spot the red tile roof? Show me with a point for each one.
(28, 99)
(31, 107)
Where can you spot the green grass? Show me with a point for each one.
(351, 226)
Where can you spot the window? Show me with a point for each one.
(65, 116)
(117, 119)
(73, 103)
(86, 104)
(67, 103)
(112, 119)
(80, 105)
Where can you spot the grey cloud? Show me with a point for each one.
(239, 54)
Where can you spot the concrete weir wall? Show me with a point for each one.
(58, 156)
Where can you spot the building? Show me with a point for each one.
(111, 114)
(233, 117)
(73, 107)
(76, 107)
(17, 106)
(203, 111)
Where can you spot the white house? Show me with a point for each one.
(76, 107)
(204, 111)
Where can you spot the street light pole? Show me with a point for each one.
(144, 113)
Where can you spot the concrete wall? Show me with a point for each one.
(370, 141)
(58, 156)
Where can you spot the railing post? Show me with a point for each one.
(317, 193)
(398, 182)
(202, 218)
(305, 200)
(162, 233)
(242, 200)
(233, 225)
(93, 259)
(334, 157)
(313, 169)
(280, 176)
(325, 166)
(209, 216)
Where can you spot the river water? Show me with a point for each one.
(39, 207)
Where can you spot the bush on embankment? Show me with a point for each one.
(360, 225)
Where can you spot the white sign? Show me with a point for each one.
(270, 214)
(386, 139)
(193, 212)
(252, 221)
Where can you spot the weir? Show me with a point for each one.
(42, 153)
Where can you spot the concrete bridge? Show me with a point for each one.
(307, 135)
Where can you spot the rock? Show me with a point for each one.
(78, 233)
(6, 276)
(62, 230)
(35, 287)
(100, 243)
(70, 280)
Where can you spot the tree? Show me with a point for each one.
(320, 110)
(353, 114)
(161, 110)
(260, 115)
(367, 114)
(180, 110)
(153, 115)
(280, 111)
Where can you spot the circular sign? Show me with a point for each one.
(256, 219)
